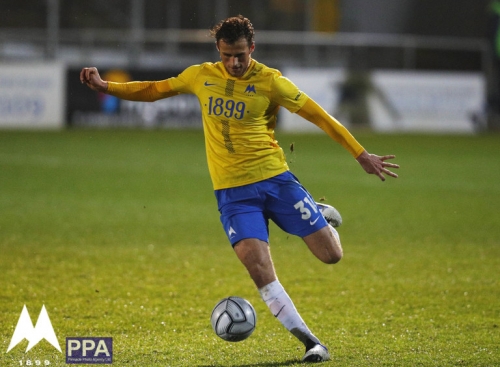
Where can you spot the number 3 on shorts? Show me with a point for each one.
(301, 206)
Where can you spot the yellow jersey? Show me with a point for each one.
(239, 117)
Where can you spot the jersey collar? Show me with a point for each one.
(244, 76)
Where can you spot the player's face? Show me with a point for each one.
(236, 56)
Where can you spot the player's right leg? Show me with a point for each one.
(255, 255)
(246, 227)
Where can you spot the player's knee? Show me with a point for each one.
(333, 257)
(326, 248)
(334, 252)
(330, 254)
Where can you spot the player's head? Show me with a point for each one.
(234, 38)
(230, 30)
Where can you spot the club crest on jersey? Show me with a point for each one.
(250, 89)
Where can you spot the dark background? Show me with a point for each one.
(461, 18)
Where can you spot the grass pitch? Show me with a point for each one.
(117, 234)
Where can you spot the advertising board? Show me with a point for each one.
(32, 96)
(87, 108)
(391, 101)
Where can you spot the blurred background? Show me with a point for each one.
(390, 65)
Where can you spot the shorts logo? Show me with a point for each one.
(313, 222)
(231, 232)
(34, 334)
(89, 350)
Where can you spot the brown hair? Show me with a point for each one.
(232, 29)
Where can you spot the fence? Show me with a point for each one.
(289, 47)
(176, 48)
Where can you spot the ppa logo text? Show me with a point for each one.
(89, 350)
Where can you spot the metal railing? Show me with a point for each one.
(77, 47)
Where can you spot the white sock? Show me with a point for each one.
(282, 307)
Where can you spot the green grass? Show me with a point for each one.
(117, 234)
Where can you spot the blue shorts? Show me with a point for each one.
(246, 210)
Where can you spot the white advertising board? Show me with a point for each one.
(32, 96)
(427, 101)
(322, 85)
(397, 100)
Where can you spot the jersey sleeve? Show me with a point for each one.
(155, 90)
(185, 81)
(314, 113)
(141, 91)
(287, 94)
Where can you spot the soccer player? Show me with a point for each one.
(239, 99)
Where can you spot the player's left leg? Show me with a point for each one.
(294, 210)
(325, 244)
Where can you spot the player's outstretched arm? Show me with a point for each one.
(371, 163)
(314, 113)
(148, 91)
(377, 165)
(90, 77)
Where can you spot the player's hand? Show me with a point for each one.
(91, 77)
(377, 165)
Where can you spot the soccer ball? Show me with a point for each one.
(233, 319)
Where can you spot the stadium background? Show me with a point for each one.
(108, 219)
(146, 39)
